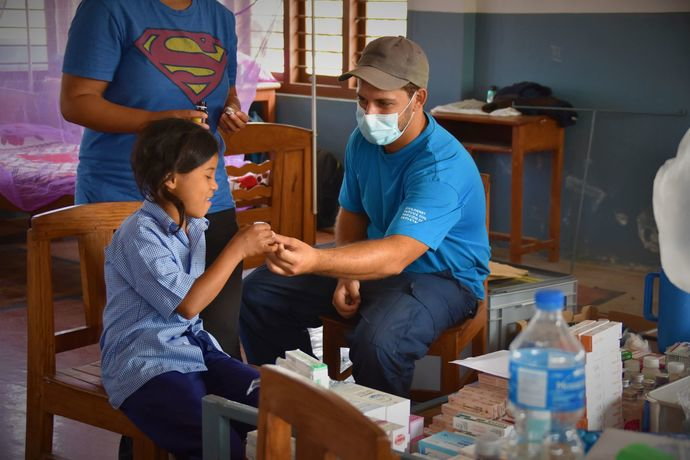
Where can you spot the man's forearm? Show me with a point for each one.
(364, 260)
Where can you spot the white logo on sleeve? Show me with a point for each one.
(413, 215)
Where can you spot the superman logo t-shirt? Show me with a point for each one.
(153, 58)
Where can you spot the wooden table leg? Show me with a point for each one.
(555, 211)
(516, 181)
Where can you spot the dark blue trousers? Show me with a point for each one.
(399, 318)
(221, 315)
(167, 408)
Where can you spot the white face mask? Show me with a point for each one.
(381, 128)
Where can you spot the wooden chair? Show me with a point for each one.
(447, 346)
(286, 202)
(326, 426)
(75, 393)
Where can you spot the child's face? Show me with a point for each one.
(196, 187)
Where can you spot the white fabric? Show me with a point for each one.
(671, 201)
(474, 107)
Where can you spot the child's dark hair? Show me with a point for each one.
(165, 147)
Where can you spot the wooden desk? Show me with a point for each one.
(516, 136)
(266, 97)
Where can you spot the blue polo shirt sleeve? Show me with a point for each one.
(429, 210)
(350, 196)
(95, 42)
(158, 279)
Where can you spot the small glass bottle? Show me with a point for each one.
(632, 368)
(201, 107)
(649, 385)
(675, 370)
(490, 94)
(650, 367)
(638, 386)
(488, 447)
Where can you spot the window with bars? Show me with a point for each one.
(342, 29)
(23, 36)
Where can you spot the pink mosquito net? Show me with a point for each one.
(38, 148)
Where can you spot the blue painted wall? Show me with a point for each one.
(632, 61)
(336, 119)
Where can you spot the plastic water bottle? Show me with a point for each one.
(547, 385)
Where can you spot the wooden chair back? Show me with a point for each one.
(286, 202)
(448, 346)
(75, 393)
(326, 426)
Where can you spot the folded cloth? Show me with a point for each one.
(473, 107)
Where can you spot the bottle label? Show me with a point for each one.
(539, 388)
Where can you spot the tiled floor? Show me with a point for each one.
(76, 441)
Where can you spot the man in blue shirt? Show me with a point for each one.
(412, 248)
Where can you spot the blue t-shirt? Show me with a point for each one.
(150, 267)
(154, 58)
(431, 191)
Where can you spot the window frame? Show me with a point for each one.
(294, 79)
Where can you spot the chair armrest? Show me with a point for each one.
(217, 412)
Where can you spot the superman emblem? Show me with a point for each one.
(194, 61)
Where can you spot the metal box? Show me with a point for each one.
(511, 300)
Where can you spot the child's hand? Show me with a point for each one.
(255, 239)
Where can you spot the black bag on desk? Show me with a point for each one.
(530, 93)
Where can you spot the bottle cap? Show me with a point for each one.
(650, 361)
(550, 300)
(675, 367)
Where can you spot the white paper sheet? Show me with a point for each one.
(495, 363)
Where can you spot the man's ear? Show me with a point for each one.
(422, 96)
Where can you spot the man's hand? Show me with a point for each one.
(346, 297)
(233, 119)
(293, 257)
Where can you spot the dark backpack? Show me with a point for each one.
(530, 93)
(329, 177)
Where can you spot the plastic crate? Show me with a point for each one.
(513, 300)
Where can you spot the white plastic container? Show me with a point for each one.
(665, 413)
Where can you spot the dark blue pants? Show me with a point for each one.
(399, 318)
(167, 408)
(221, 315)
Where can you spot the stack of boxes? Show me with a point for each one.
(305, 365)
(393, 411)
(473, 411)
(390, 412)
(603, 365)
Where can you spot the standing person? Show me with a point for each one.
(130, 62)
(412, 248)
(157, 360)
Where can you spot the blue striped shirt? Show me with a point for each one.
(149, 268)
